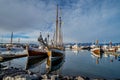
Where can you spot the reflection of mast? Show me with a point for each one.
(97, 61)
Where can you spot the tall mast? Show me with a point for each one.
(60, 31)
(57, 26)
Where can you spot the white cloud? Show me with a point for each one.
(83, 20)
(91, 21)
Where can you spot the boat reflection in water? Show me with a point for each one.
(33, 61)
(54, 63)
(98, 56)
(110, 55)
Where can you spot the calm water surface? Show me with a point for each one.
(75, 63)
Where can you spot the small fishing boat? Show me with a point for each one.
(118, 49)
(112, 49)
(75, 47)
(85, 47)
(97, 50)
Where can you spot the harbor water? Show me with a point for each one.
(74, 63)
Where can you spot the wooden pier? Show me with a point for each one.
(11, 56)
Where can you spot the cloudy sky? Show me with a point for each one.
(82, 20)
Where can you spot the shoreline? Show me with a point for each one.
(15, 73)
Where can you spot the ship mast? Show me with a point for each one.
(58, 32)
(56, 27)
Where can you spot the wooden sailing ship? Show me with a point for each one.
(56, 48)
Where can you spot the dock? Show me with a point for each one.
(11, 56)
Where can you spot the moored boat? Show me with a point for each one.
(112, 49)
(55, 48)
(85, 47)
(118, 49)
(75, 47)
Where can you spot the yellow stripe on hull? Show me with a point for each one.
(49, 53)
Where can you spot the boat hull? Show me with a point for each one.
(36, 52)
(97, 50)
(55, 53)
(112, 50)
